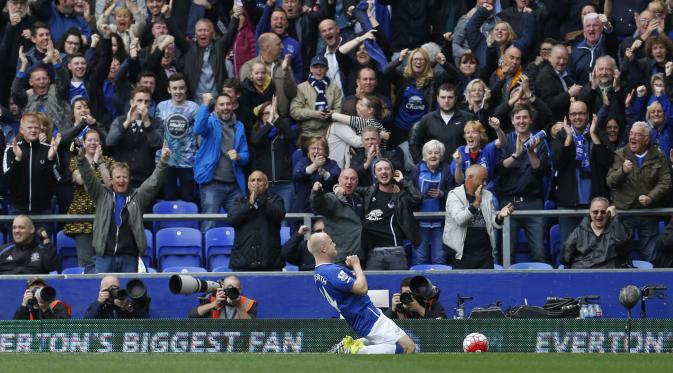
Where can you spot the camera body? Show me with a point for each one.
(231, 292)
(117, 293)
(45, 295)
(406, 298)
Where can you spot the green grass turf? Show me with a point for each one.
(324, 363)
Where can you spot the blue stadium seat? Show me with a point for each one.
(222, 269)
(561, 266)
(219, 242)
(148, 259)
(66, 249)
(497, 266)
(2, 238)
(290, 268)
(175, 207)
(662, 226)
(151, 270)
(184, 269)
(555, 244)
(285, 235)
(531, 265)
(430, 267)
(642, 264)
(178, 247)
(521, 251)
(73, 271)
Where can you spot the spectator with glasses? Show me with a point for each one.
(600, 241)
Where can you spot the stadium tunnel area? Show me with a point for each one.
(293, 295)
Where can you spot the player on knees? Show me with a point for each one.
(346, 292)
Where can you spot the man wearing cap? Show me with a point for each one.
(315, 101)
(37, 305)
(27, 254)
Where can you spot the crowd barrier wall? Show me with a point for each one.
(289, 295)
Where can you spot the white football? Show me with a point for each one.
(475, 342)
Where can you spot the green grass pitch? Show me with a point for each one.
(324, 363)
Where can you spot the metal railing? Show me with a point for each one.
(306, 219)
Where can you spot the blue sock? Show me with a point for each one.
(399, 349)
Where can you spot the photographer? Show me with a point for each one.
(406, 305)
(227, 303)
(114, 303)
(39, 304)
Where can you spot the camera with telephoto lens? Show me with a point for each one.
(423, 289)
(182, 284)
(44, 295)
(406, 298)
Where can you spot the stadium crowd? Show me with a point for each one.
(360, 111)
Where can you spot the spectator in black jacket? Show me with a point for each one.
(29, 169)
(271, 142)
(136, 137)
(445, 125)
(600, 241)
(295, 251)
(109, 306)
(38, 305)
(27, 254)
(256, 220)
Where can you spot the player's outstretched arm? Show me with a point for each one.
(360, 284)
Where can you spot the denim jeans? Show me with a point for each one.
(533, 226)
(284, 190)
(648, 231)
(431, 249)
(116, 264)
(214, 195)
(387, 258)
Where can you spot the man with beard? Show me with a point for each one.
(600, 241)
(219, 162)
(640, 178)
(389, 219)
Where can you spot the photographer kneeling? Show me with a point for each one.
(226, 303)
(417, 299)
(39, 302)
(115, 302)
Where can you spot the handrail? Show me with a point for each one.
(306, 218)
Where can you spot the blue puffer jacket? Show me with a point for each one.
(207, 125)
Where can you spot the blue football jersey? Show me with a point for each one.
(335, 283)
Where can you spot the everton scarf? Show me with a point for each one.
(320, 86)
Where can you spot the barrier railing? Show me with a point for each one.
(306, 219)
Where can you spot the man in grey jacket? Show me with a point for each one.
(343, 214)
(118, 231)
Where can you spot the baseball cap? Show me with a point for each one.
(319, 60)
(35, 280)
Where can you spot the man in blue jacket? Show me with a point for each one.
(218, 167)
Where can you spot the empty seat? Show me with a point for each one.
(184, 269)
(175, 207)
(222, 269)
(555, 244)
(290, 268)
(73, 271)
(285, 235)
(430, 267)
(642, 264)
(178, 247)
(66, 249)
(219, 243)
(148, 259)
(531, 265)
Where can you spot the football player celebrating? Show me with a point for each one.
(346, 291)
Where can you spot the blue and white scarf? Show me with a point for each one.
(320, 86)
(582, 149)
